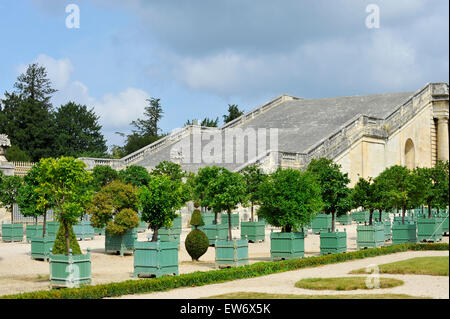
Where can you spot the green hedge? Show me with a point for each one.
(215, 276)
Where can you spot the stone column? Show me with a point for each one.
(442, 138)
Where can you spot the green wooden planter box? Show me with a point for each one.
(208, 218)
(234, 220)
(361, 217)
(99, 231)
(33, 231)
(169, 234)
(41, 246)
(142, 227)
(429, 229)
(122, 243)
(321, 222)
(370, 236)
(262, 220)
(12, 232)
(70, 271)
(408, 218)
(345, 219)
(404, 233)
(213, 231)
(444, 220)
(387, 230)
(84, 230)
(287, 245)
(178, 224)
(255, 231)
(155, 258)
(52, 229)
(231, 253)
(333, 243)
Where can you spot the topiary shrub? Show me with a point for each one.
(196, 244)
(60, 246)
(196, 219)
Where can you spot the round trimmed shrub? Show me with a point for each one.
(196, 244)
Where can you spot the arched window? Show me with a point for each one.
(410, 156)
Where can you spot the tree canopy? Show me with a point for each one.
(233, 113)
(9, 188)
(289, 199)
(78, 132)
(66, 182)
(135, 175)
(333, 184)
(103, 175)
(159, 201)
(115, 206)
(254, 177)
(225, 192)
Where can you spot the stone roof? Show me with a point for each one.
(301, 123)
(304, 122)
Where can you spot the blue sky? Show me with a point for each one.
(199, 56)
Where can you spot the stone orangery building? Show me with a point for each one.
(364, 134)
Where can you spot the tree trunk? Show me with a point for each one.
(429, 210)
(381, 214)
(35, 220)
(229, 226)
(45, 222)
(215, 218)
(403, 214)
(66, 231)
(155, 234)
(370, 217)
(252, 214)
(332, 222)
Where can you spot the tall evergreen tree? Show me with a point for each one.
(78, 132)
(153, 113)
(27, 115)
(34, 84)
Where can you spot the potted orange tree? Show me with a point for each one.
(158, 201)
(289, 199)
(365, 195)
(200, 184)
(400, 189)
(336, 197)
(9, 188)
(66, 181)
(254, 230)
(224, 193)
(29, 195)
(434, 181)
(115, 208)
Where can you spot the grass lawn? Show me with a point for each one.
(260, 295)
(344, 283)
(435, 266)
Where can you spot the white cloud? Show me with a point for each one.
(118, 110)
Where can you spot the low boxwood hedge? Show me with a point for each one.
(215, 276)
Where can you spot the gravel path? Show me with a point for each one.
(283, 283)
